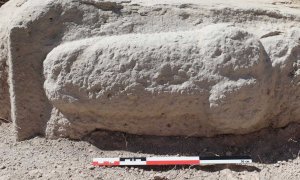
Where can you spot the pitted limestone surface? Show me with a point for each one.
(195, 68)
(180, 83)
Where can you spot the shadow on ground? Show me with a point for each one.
(266, 146)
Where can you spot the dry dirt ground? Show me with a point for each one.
(275, 153)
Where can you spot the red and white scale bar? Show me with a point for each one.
(169, 160)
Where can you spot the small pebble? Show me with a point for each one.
(91, 167)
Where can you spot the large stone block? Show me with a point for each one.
(193, 68)
(206, 82)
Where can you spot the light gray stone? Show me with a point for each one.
(148, 67)
(214, 80)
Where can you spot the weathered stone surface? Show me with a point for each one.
(175, 68)
(284, 52)
(182, 83)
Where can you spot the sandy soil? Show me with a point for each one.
(275, 153)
